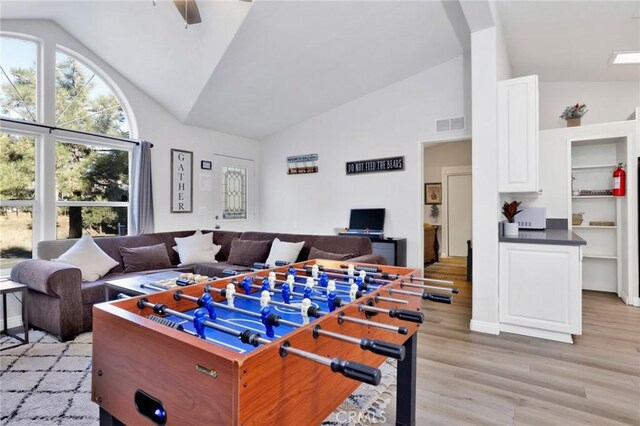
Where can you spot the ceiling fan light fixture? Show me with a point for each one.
(625, 57)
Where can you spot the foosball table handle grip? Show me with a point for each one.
(390, 350)
(404, 315)
(435, 297)
(356, 371)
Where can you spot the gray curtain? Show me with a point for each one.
(142, 194)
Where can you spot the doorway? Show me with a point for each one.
(233, 192)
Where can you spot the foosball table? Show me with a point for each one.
(279, 346)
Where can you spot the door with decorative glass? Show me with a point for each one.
(233, 193)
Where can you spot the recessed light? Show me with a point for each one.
(628, 57)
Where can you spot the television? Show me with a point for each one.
(371, 219)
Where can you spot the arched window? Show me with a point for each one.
(89, 174)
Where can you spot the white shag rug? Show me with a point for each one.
(46, 382)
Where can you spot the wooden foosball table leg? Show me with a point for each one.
(107, 419)
(406, 384)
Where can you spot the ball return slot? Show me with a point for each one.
(350, 369)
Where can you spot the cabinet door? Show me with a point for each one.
(518, 134)
(540, 287)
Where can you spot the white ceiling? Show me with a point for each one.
(252, 69)
(571, 40)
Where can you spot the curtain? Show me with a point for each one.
(142, 194)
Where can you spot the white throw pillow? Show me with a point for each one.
(86, 255)
(197, 248)
(284, 251)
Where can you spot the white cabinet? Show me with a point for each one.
(518, 134)
(541, 290)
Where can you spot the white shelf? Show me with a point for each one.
(597, 256)
(596, 166)
(586, 197)
(594, 227)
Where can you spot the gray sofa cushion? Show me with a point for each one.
(315, 253)
(144, 258)
(247, 252)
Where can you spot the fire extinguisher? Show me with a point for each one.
(619, 181)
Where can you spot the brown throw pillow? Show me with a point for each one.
(315, 253)
(145, 258)
(248, 252)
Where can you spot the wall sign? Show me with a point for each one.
(299, 164)
(378, 165)
(181, 181)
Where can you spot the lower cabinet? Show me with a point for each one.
(541, 290)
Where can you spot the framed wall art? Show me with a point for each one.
(433, 193)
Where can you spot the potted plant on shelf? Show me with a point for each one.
(573, 113)
(510, 210)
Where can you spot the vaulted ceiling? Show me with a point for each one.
(252, 69)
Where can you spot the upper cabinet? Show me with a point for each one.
(518, 134)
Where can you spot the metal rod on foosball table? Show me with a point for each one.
(386, 275)
(400, 330)
(162, 310)
(429, 287)
(350, 369)
(315, 279)
(379, 347)
(255, 299)
(401, 314)
(434, 297)
(391, 300)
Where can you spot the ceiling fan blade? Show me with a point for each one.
(189, 11)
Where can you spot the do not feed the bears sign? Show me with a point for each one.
(388, 164)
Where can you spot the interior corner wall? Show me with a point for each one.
(484, 60)
(159, 127)
(606, 101)
(393, 121)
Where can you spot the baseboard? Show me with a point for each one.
(484, 327)
(15, 321)
(535, 332)
(636, 302)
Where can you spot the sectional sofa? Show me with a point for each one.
(60, 302)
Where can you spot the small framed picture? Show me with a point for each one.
(205, 165)
(433, 193)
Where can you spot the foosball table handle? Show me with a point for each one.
(404, 315)
(387, 349)
(435, 297)
(356, 371)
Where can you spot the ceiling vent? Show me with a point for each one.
(450, 124)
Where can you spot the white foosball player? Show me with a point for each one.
(352, 292)
(304, 310)
(351, 271)
(230, 294)
(315, 270)
(272, 280)
(331, 286)
(265, 298)
(310, 282)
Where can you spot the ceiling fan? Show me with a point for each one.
(189, 11)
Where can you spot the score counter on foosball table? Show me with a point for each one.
(281, 346)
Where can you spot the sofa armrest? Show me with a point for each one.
(376, 259)
(52, 278)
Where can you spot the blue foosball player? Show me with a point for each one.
(264, 317)
(265, 284)
(286, 293)
(208, 304)
(246, 285)
(199, 317)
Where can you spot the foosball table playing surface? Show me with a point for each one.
(279, 346)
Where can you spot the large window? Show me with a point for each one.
(89, 174)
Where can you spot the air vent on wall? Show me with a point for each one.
(450, 124)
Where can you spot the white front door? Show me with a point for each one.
(458, 214)
(233, 192)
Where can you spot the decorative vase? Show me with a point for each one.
(511, 229)
(573, 122)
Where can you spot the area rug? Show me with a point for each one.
(47, 383)
(446, 271)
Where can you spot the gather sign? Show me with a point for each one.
(181, 181)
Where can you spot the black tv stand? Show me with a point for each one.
(393, 249)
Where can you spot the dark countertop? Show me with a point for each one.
(562, 237)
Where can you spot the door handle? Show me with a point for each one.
(216, 227)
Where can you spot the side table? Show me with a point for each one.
(7, 287)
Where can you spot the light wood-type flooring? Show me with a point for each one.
(467, 378)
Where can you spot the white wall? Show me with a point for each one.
(437, 156)
(155, 124)
(390, 122)
(606, 101)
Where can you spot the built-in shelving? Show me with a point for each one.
(592, 164)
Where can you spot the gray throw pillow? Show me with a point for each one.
(315, 253)
(248, 252)
(145, 258)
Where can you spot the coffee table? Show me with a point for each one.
(139, 284)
